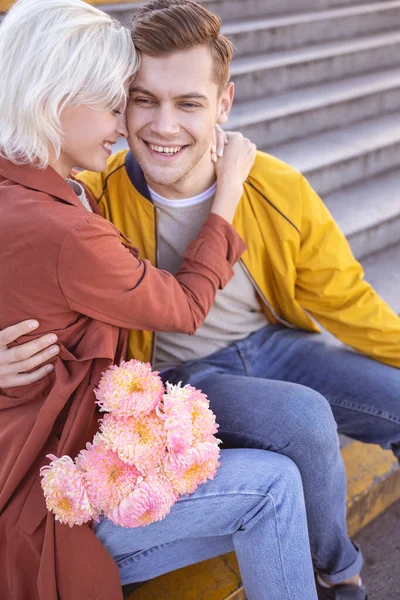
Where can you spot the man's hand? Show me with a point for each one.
(16, 361)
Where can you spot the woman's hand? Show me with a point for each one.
(232, 171)
(16, 361)
(219, 142)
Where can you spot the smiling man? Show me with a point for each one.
(272, 381)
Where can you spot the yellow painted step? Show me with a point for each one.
(373, 484)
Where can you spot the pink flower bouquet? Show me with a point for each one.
(153, 445)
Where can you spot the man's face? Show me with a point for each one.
(171, 115)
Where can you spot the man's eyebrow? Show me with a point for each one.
(137, 88)
(189, 95)
(193, 95)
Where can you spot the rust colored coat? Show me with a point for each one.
(67, 268)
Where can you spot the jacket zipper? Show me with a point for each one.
(263, 298)
(156, 220)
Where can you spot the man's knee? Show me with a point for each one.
(314, 426)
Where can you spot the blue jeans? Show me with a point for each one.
(255, 506)
(289, 391)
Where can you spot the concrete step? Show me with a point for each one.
(230, 10)
(373, 484)
(299, 113)
(290, 31)
(339, 158)
(383, 272)
(369, 214)
(262, 75)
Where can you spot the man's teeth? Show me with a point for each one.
(165, 150)
(107, 145)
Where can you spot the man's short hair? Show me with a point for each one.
(55, 53)
(164, 26)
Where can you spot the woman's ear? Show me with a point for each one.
(225, 103)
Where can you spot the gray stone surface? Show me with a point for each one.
(380, 542)
(267, 34)
(279, 119)
(341, 157)
(230, 10)
(382, 270)
(261, 75)
(369, 213)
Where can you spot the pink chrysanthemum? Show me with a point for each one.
(186, 471)
(129, 390)
(187, 417)
(203, 419)
(65, 492)
(176, 412)
(140, 442)
(108, 478)
(150, 501)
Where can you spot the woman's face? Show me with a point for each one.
(88, 135)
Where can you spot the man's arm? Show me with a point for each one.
(16, 361)
(330, 285)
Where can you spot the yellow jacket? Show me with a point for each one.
(297, 257)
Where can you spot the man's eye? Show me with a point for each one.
(189, 105)
(142, 100)
(117, 111)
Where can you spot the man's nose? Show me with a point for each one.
(122, 129)
(165, 123)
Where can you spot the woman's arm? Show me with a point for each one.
(100, 278)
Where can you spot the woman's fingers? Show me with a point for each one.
(219, 142)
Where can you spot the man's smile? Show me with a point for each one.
(165, 152)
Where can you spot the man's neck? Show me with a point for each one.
(195, 183)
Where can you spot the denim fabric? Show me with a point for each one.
(288, 391)
(255, 506)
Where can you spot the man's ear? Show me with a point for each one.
(225, 103)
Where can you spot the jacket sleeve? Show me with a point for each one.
(101, 278)
(330, 285)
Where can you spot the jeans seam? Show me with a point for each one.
(279, 545)
(242, 356)
(366, 410)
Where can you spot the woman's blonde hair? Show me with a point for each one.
(55, 53)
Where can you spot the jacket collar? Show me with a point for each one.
(136, 175)
(42, 180)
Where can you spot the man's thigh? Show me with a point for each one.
(264, 413)
(217, 508)
(364, 394)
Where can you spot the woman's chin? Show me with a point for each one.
(95, 164)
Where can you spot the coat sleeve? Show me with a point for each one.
(101, 278)
(330, 285)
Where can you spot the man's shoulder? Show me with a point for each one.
(268, 169)
(98, 182)
(273, 181)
